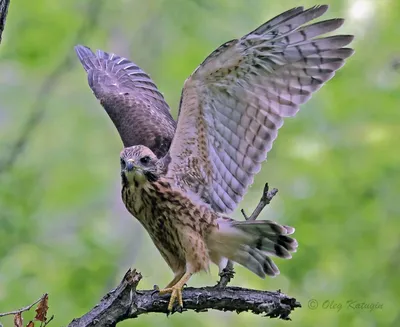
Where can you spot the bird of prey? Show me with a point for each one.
(182, 179)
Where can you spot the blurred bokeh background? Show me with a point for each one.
(63, 227)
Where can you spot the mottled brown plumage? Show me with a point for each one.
(169, 216)
(189, 234)
(181, 180)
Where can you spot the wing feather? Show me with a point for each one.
(131, 99)
(234, 103)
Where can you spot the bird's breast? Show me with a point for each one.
(152, 201)
(172, 220)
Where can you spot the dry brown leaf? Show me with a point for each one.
(18, 320)
(41, 310)
(30, 324)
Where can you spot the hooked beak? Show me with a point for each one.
(130, 165)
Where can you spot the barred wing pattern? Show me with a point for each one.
(131, 99)
(234, 103)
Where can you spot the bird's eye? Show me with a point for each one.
(123, 163)
(145, 160)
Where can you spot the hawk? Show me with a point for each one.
(182, 179)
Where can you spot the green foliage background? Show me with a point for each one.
(63, 227)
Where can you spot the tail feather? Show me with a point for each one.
(251, 243)
(262, 227)
(250, 258)
(256, 261)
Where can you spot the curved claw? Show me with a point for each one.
(176, 294)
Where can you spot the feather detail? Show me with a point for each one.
(235, 102)
(130, 98)
(251, 243)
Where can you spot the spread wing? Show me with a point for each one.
(131, 99)
(234, 103)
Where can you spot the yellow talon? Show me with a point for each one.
(176, 294)
(176, 291)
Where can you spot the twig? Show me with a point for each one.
(27, 308)
(266, 198)
(39, 105)
(48, 321)
(126, 302)
(3, 15)
(228, 273)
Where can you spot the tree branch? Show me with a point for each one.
(228, 273)
(27, 308)
(126, 302)
(3, 15)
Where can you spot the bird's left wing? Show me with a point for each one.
(234, 103)
(131, 99)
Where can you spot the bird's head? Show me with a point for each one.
(138, 165)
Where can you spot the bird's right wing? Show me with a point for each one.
(233, 105)
(131, 99)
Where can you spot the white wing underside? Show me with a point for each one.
(234, 103)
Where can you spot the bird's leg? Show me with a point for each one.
(176, 279)
(176, 291)
(178, 276)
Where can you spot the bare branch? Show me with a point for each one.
(228, 273)
(39, 105)
(266, 198)
(27, 308)
(3, 15)
(47, 321)
(126, 302)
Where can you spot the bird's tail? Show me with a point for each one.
(251, 243)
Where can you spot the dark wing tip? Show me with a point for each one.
(291, 12)
(85, 55)
(321, 7)
(342, 40)
(347, 52)
(83, 51)
(315, 11)
(335, 22)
